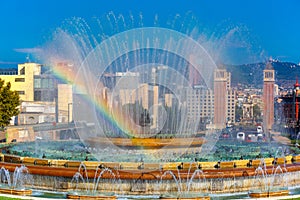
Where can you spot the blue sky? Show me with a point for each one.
(275, 24)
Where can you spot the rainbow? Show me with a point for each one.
(118, 121)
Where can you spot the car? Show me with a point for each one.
(240, 136)
(251, 138)
(225, 135)
(259, 129)
(261, 137)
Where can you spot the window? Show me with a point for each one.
(50, 83)
(19, 79)
(22, 71)
(268, 74)
(37, 83)
(44, 95)
(45, 83)
(220, 74)
(37, 95)
(21, 92)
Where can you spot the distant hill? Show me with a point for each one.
(252, 74)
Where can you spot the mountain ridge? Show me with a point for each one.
(252, 74)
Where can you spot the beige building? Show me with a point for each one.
(155, 106)
(65, 103)
(36, 112)
(208, 106)
(23, 80)
(169, 99)
(40, 95)
(247, 112)
(200, 104)
(231, 103)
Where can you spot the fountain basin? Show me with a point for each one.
(270, 193)
(184, 196)
(129, 172)
(219, 180)
(22, 192)
(147, 143)
(215, 177)
(278, 193)
(85, 196)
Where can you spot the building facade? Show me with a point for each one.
(220, 87)
(224, 99)
(23, 80)
(289, 106)
(268, 97)
(42, 96)
(200, 105)
(231, 103)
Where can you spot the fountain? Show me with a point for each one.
(83, 187)
(16, 184)
(90, 189)
(185, 185)
(266, 183)
(274, 183)
(131, 86)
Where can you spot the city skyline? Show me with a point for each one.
(272, 26)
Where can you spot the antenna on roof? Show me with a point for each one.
(27, 58)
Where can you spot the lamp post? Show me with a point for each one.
(70, 112)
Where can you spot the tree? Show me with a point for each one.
(257, 112)
(238, 112)
(9, 101)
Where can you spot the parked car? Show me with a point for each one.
(225, 135)
(261, 137)
(240, 136)
(259, 129)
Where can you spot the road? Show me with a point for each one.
(280, 139)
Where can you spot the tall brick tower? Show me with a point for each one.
(220, 93)
(268, 97)
(296, 100)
